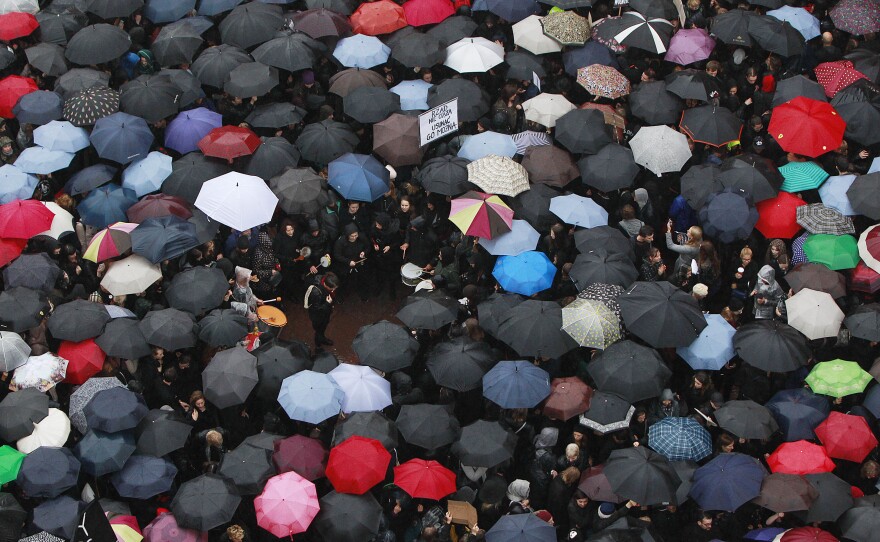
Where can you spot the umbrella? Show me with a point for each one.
(358, 177)
(516, 384)
(214, 64)
(814, 313)
(729, 215)
(835, 497)
(473, 55)
(370, 104)
(167, 11)
(121, 137)
(38, 108)
(197, 290)
(14, 87)
(396, 140)
(42, 161)
(529, 34)
(22, 308)
(660, 149)
(321, 23)
(680, 439)
(746, 419)
(413, 94)
(237, 200)
(57, 23)
(276, 360)
(714, 126)
(14, 352)
(604, 81)
(272, 115)
(163, 238)
(498, 175)
(727, 482)
(661, 314)
(862, 197)
(591, 323)
(424, 479)
(17, 25)
(170, 329)
(417, 49)
(161, 432)
(78, 79)
(251, 24)
(641, 475)
(485, 144)
(792, 87)
(530, 527)
(10, 463)
(51, 431)
(167, 523)
(629, 370)
(460, 364)
(591, 53)
(782, 492)
(357, 464)
(78, 320)
(566, 27)
(583, 131)
(10, 249)
(691, 84)
(473, 101)
(158, 206)
(545, 109)
(863, 322)
(428, 310)
(385, 346)
(89, 178)
(122, 338)
(35, 271)
(189, 127)
(856, 17)
(102, 453)
(481, 215)
(322, 142)
(484, 444)
(807, 127)
(59, 516)
(97, 44)
(612, 168)
(522, 237)
(114, 410)
(151, 97)
(527, 273)
(800, 19)
(846, 436)
(375, 18)
(132, 275)
(372, 425)
(48, 472)
(533, 328)
(248, 467)
(342, 83)
(147, 174)
(568, 398)
(838, 378)
(713, 348)
(859, 105)
(495, 310)
(287, 505)
(835, 251)
(229, 142)
(230, 377)
(689, 46)
(310, 397)
(205, 502)
(85, 359)
(837, 75)
(347, 518)
(83, 394)
(776, 36)
(512, 10)
(90, 105)
(251, 79)
(652, 102)
(604, 239)
(272, 157)
(865, 279)
(363, 390)
(302, 455)
(771, 345)
(453, 29)
(777, 217)
(176, 43)
(360, 51)
(860, 523)
(61, 136)
(300, 190)
(635, 30)
(428, 426)
(226, 327)
(817, 218)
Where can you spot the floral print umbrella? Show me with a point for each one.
(566, 27)
(604, 81)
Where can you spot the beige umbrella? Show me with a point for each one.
(131, 275)
(498, 175)
(474, 55)
(546, 109)
(529, 34)
(567, 27)
(814, 313)
(61, 223)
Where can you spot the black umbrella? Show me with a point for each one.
(712, 125)
(22, 308)
(176, 44)
(39, 107)
(48, 472)
(372, 425)
(325, 141)
(698, 183)
(223, 327)
(865, 60)
(633, 371)
(189, 173)
(58, 23)
(97, 44)
(473, 101)
(89, 105)
(122, 338)
(170, 329)
(863, 322)
(484, 444)
(428, 310)
(263, 440)
(583, 131)
(144, 476)
(78, 320)
(612, 168)
(460, 364)
(418, 49)
(79, 79)
(606, 238)
(859, 105)
(732, 27)
(206, 228)
(271, 158)
(864, 195)
(534, 328)
(693, 84)
(102, 453)
(114, 410)
(635, 30)
(662, 9)
(89, 178)
(12, 514)
(771, 345)
(427, 426)
(523, 65)
(860, 524)
(214, 64)
(188, 84)
(344, 7)
(248, 467)
(370, 104)
(291, 52)
(251, 79)
(325, 362)
(347, 80)
(19, 412)
(641, 475)
(607, 413)
(321, 23)
(495, 310)
(197, 290)
(36, 271)
(251, 24)
(347, 518)
(776, 36)
(653, 103)
(205, 502)
(48, 58)
(300, 191)
(452, 29)
(601, 265)
(533, 206)
(151, 97)
(446, 175)
(385, 346)
(746, 419)
(275, 115)
(755, 174)
(729, 215)
(111, 9)
(230, 377)
(161, 432)
(592, 52)
(163, 238)
(795, 86)
(661, 314)
(276, 360)
(834, 498)
(59, 516)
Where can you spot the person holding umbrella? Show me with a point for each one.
(319, 303)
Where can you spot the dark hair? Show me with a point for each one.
(628, 212)
(646, 230)
(331, 280)
(170, 374)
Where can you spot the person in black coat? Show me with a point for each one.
(349, 260)
(562, 487)
(320, 306)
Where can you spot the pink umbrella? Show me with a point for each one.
(689, 46)
(165, 528)
(287, 505)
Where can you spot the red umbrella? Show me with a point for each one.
(22, 219)
(229, 142)
(422, 12)
(85, 360)
(424, 479)
(777, 216)
(807, 127)
(837, 75)
(808, 534)
(302, 455)
(16, 25)
(10, 249)
(846, 437)
(12, 89)
(800, 457)
(357, 464)
(374, 18)
(568, 397)
(159, 205)
(864, 279)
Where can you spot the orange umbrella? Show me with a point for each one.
(374, 18)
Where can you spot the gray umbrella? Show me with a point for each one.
(122, 338)
(747, 419)
(661, 314)
(19, 411)
(111, 9)
(427, 426)
(161, 432)
(79, 79)
(534, 328)
(473, 101)
(325, 141)
(447, 175)
(523, 65)
(59, 23)
(864, 196)
(38, 108)
(97, 44)
(251, 24)
(190, 172)
(197, 290)
(347, 80)
(7, 57)
(144, 476)
(641, 475)
(385, 346)
(633, 371)
(170, 329)
(600, 265)
(205, 502)
(372, 425)
(22, 308)
(213, 65)
(484, 444)
(83, 394)
(603, 238)
(612, 168)
(188, 84)
(370, 104)
(36, 271)
(276, 360)
(102, 453)
(653, 103)
(275, 115)
(348, 518)
(115, 410)
(78, 320)
(59, 516)
(452, 29)
(273, 156)
(418, 49)
(223, 327)
(151, 97)
(460, 364)
(428, 310)
(345, 7)
(251, 79)
(292, 52)
(583, 131)
(799, 85)
(496, 309)
(176, 44)
(248, 467)
(230, 377)
(48, 58)
(300, 191)
(698, 183)
(533, 205)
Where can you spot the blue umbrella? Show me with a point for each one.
(713, 348)
(42, 161)
(216, 7)
(188, 127)
(872, 401)
(591, 53)
(798, 411)
(48, 472)
(833, 193)
(481, 145)
(413, 95)
(60, 135)
(39, 107)
(361, 51)
(144, 476)
(521, 528)
(527, 273)
(164, 237)
(15, 184)
(516, 384)
(310, 397)
(522, 237)
(579, 211)
(60, 516)
(102, 453)
(800, 19)
(147, 174)
(512, 11)
(767, 534)
(122, 137)
(105, 205)
(680, 439)
(358, 177)
(89, 178)
(727, 482)
(167, 11)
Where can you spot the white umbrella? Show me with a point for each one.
(26, 6)
(237, 200)
(131, 275)
(62, 222)
(365, 391)
(660, 149)
(41, 372)
(545, 109)
(52, 430)
(115, 311)
(498, 175)
(14, 351)
(474, 55)
(814, 313)
(529, 34)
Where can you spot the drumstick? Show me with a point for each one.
(276, 300)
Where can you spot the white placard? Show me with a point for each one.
(438, 122)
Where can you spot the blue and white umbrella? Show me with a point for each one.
(413, 95)
(15, 184)
(833, 193)
(522, 237)
(147, 174)
(578, 211)
(360, 51)
(42, 161)
(60, 135)
(680, 439)
(527, 273)
(310, 397)
(801, 19)
(713, 348)
(516, 384)
(482, 145)
(358, 177)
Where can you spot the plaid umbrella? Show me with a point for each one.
(835, 251)
(817, 218)
(603, 81)
(566, 27)
(856, 16)
(591, 323)
(680, 439)
(838, 378)
(498, 175)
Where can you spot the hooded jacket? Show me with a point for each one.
(768, 289)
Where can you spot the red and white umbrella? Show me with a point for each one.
(869, 247)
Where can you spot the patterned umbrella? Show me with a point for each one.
(607, 413)
(800, 176)
(837, 75)
(660, 149)
(566, 27)
(591, 323)
(110, 242)
(87, 106)
(838, 378)
(817, 218)
(680, 439)
(856, 16)
(635, 30)
(81, 397)
(481, 215)
(498, 175)
(41, 372)
(604, 81)
(607, 294)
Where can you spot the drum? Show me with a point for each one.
(411, 274)
(271, 316)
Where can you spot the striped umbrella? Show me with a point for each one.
(838, 378)
(110, 242)
(481, 215)
(801, 176)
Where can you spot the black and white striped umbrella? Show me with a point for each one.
(635, 30)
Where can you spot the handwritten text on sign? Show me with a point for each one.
(439, 121)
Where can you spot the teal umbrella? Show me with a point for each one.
(801, 176)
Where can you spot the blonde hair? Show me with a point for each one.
(572, 451)
(235, 532)
(214, 438)
(745, 252)
(696, 236)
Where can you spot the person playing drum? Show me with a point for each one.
(243, 299)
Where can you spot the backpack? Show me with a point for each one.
(314, 284)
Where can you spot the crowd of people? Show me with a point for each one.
(346, 253)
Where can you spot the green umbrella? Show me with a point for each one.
(591, 323)
(801, 176)
(10, 462)
(835, 251)
(838, 378)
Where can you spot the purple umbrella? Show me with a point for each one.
(188, 127)
(689, 46)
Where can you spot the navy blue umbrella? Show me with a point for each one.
(122, 138)
(798, 411)
(358, 177)
(520, 527)
(89, 178)
(48, 472)
(510, 10)
(102, 453)
(729, 215)
(164, 237)
(516, 384)
(144, 476)
(105, 205)
(727, 482)
(114, 410)
(40, 107)
(167, 11)
(591, 53)
(60, 516)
